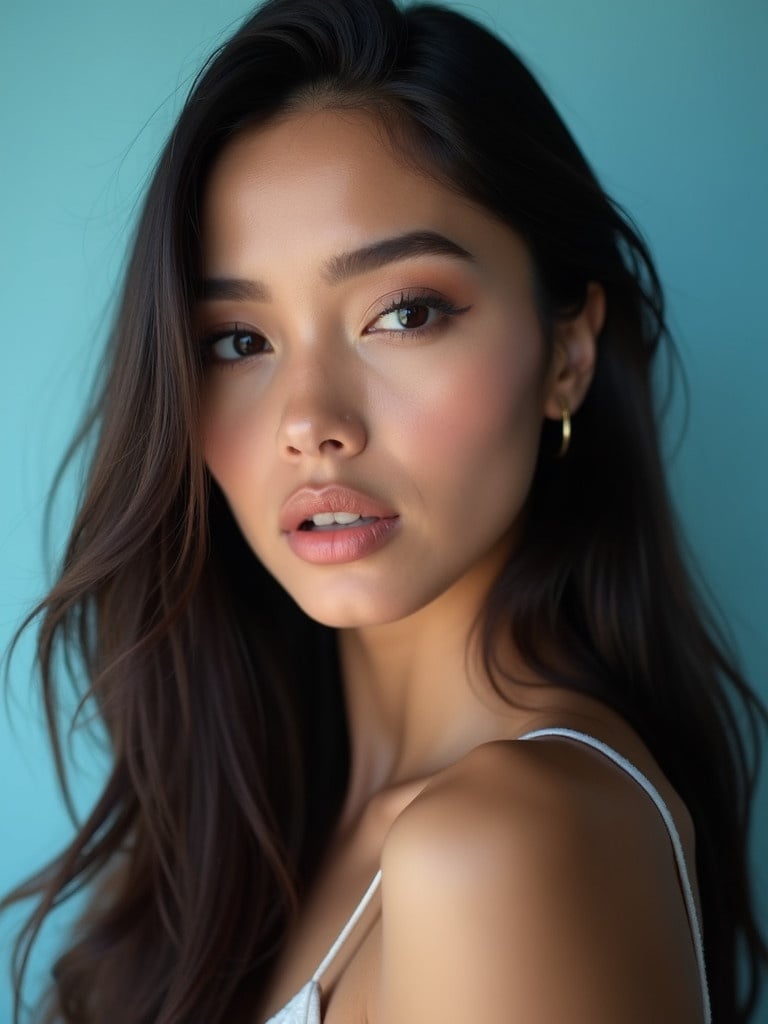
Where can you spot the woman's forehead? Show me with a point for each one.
(317, 183)
(312, 163)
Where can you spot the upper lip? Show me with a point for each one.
(309, 501)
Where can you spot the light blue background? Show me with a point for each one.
(667, 98)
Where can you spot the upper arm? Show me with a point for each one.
(516, 893)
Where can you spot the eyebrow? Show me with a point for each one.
(389, 250)
(233, 288)
(344, 266)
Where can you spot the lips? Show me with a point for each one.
(311, 501)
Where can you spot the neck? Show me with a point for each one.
(418, 696)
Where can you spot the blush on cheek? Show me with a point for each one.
(227, 460)
(228, 433)
(487, 407)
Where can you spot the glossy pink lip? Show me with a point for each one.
(343, 544)
(310, 501)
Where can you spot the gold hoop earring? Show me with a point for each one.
(566, 420)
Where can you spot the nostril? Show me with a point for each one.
(322, 433)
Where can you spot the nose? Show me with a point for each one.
(321, 418)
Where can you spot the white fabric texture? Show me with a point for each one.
(304, 1008)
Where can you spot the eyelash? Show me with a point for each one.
(236, 330)
(405, 301)
(410, 301)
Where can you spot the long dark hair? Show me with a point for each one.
(214, 816)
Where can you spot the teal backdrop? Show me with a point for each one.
(667, 98)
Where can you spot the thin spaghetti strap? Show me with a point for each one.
(674, 835)
(348, 927)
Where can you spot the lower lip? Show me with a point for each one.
(330, 547)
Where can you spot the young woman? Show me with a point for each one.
(415, 715)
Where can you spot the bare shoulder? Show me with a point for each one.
(534, 881)
(508, 798)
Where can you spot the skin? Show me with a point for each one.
(441, 425)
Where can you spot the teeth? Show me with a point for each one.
(329, 518)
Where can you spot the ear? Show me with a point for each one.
(573, 355)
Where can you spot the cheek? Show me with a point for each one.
(228, 434)
(484, 411)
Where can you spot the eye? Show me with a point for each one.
(234, 345)
(408, 317)
(412, 314)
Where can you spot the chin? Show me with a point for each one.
(342, 615)
(373, 604)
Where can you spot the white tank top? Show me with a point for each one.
(304, 1008)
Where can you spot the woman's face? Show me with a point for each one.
(372, 350)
